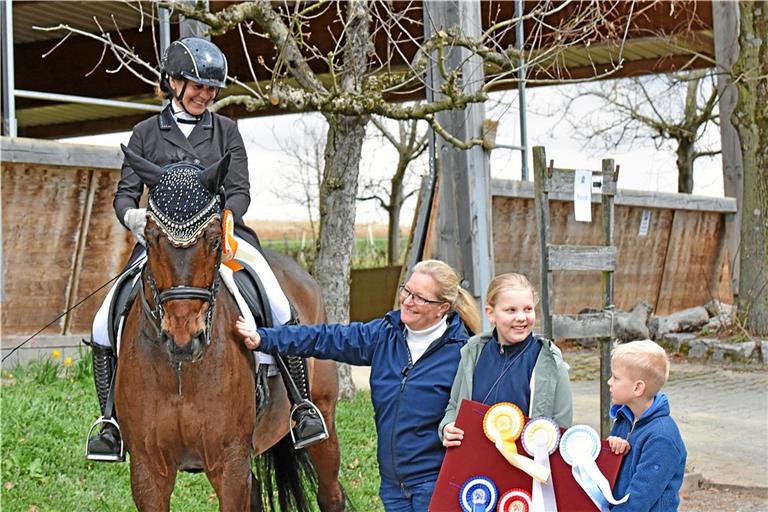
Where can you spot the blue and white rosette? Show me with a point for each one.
(579, 447)
(478, 494)
(540, 439)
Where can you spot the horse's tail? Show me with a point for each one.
(287, 473)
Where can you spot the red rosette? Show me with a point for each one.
(515, 500)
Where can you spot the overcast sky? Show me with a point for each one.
(642, 167)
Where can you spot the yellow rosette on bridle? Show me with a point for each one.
(503, 424)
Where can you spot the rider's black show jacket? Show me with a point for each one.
(159, 140)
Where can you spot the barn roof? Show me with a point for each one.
(666, 37)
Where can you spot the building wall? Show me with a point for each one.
(679, 263)
(61, 242)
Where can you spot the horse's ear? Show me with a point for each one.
(148, 172)
(213, 177)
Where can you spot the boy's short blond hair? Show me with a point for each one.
(644, 360)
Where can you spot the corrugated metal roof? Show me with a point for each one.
(77, 14)
(48, 119)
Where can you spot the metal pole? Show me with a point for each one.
(9, 80)
(165, 35)
(189, 27)
(521, 90)
(69, 98)
(165, 29)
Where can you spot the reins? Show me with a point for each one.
(6, 356)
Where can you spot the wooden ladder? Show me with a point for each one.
(599, 258)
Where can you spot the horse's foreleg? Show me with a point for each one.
(326, 456)
(231, 479)
(151, 490)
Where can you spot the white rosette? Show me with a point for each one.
(540, 439)
(579, 447)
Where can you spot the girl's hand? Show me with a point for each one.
(251, 338)
(452, 436)
(618, 445)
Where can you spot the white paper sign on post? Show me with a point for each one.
(645, 222)
(582, 195)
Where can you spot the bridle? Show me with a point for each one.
(191, 230)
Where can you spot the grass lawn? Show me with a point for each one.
(45, 411)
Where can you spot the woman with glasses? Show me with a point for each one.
(413, 353)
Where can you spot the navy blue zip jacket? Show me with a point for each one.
(409, 399)
(653, 469)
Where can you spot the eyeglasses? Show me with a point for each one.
(417, 299)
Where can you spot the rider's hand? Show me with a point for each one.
(136, 220)
(452, 435)
(251, 338)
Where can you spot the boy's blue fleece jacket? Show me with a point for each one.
(653, 469)
(409, 400)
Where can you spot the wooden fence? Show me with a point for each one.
(671, 247)
(61, 241)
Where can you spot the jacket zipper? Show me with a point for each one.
(406, 371)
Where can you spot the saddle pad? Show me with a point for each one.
(227, 277)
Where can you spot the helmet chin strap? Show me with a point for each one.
(180, 99)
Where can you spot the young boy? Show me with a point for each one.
(652, 469)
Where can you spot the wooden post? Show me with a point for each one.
(725, 17)
(464, 208)
(541, 202)
(608, 299)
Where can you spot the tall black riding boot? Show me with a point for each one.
(308, 426)
(106, 445)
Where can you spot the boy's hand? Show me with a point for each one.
(452, 436)
(251, 338)
(618, 445)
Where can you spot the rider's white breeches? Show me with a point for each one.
(278, 302)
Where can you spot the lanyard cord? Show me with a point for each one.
(506, 368)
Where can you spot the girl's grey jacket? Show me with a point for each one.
(550, 385)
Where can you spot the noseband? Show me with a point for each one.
(182, 229)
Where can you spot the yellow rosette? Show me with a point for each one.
(503, 424)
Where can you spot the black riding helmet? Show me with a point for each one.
(196, 59)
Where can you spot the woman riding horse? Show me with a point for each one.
(193, 71)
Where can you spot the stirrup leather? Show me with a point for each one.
(306, 404)
(100, 456)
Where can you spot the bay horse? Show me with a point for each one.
(185, 390)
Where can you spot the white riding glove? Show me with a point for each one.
(136, 220)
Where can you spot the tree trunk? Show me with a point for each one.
(337, 222)
(338, 189)
(750, 118)
(685, 158)
(395, 205)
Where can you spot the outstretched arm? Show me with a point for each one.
(353, 343)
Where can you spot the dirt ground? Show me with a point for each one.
(723, 498)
